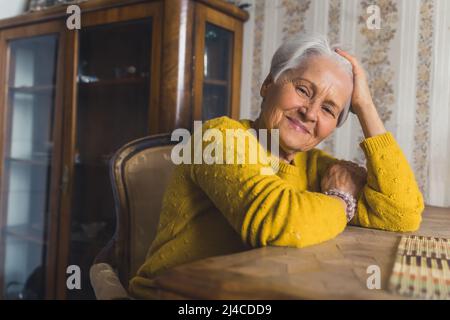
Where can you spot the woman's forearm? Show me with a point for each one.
(391, 199)
(370, 121)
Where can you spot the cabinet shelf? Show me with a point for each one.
(216, 82)
(31, 233)
(32, 89)
(111, 82)
(92, 164)
(34, 162)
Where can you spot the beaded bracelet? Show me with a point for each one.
(349, 200)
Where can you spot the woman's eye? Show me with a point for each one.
(302, 90)
(329, 110)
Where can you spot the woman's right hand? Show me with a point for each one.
(362, 103)
(345, 176)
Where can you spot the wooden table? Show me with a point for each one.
(336, 269)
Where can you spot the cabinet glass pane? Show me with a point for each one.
(27, 162)
(217, 72)
(112, 109)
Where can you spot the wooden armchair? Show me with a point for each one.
(139, 174)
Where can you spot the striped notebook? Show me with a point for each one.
(421, 268)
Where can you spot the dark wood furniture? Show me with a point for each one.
(336, 269)
(70, 98)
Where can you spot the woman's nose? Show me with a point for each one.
(309, 112)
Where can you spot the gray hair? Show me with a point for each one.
(295, 50)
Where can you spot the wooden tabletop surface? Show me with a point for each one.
(336, 269)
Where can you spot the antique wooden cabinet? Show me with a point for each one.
(70, 98)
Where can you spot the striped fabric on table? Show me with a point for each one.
(421, 268)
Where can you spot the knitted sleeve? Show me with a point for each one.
(391, 199)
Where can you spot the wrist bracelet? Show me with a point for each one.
(348, 199)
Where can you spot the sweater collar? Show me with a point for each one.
(299, 159)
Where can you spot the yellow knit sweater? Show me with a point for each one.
(217, 209)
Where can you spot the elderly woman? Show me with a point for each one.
(217, 209)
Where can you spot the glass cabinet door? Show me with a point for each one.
(112, 109)
(27, 162)
(217, 67)
(218, 56)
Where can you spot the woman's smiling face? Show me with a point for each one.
(305, 103)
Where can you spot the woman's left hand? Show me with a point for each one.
(361, 97)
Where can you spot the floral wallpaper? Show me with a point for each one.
(257, 57)
(375, 57)
(334, 22)
(375, 46)
(379, 52)
(421, 128)
(294, 16)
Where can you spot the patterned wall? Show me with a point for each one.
(406, 66)
(422, 125)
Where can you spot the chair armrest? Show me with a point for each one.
(106, 283)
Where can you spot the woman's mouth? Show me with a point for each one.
(297, 125)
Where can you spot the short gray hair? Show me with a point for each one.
(295, 50)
